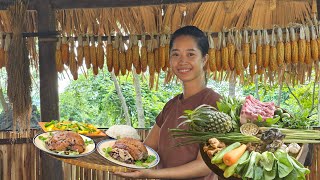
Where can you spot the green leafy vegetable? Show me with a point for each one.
(87, 142)
(267, 160)
(43, 138)
(107, 151)
(284, 165)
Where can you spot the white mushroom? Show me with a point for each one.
(294, 148)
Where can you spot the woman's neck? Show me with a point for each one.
(190, 89)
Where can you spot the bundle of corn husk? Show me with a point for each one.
(19, 77)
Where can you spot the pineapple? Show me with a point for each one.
(206, 118)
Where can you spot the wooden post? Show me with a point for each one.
(49, 100)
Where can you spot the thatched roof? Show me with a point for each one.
(209, 16)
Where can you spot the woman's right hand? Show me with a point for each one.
(144, 173)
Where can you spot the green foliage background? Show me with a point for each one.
(94, 99)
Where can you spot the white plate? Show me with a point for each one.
(42, 146)
(110, 142)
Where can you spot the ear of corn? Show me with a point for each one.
(314, 44)
(162, 51)
(143, 59)
(135, 53)
(231, 50)
(253, 55)
(100, 53)
(211, 54)
(246, 49)
(129, 55)
(122, 58)
(238, 55)
(157, 62)
(59, 63)
(224, 54)
(73, 66)
(80, 50)
(287, 48)
(273, 53)
(93, 52)
(109, 54)
(280, 48)
(294, 47)
(302, 45)
(65, 50)
(115, 56)
(218, 52)
(266, 50)
(86, 53)
(308, 58)
(151, 63)
(167, 54)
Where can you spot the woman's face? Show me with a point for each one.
(186, 60)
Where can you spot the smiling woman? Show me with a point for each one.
(188, 56)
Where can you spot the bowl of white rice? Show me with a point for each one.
(121, 131)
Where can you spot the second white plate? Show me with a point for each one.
(110, 142)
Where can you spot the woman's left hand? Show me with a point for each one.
(144, 173)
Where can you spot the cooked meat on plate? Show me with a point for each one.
(129, 150)
(66, 141)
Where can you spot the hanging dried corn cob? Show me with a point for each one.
(135, 55)
(59, 63)
(259, 54)
(115, 56)
(65, 50)
(245, 49)
(314, 44)
(212, 54)
(253, 55)
(100, 53)
(151, 63)
(308, 59)
(157, 65)
(302, 45)
(167, 54)
(129, 55)
(273, 53)
(93, 55)
(143, 59)
(238, 55)
(73, 66)
(109, 54)
(280, 48)
(122, 57)
(266, 49)
(218, 52)
(80, 50)
(86, 53)
(294, 47)
(231, 50)
(224, 54)
(7, 42)
(2, 60)
(162, 51)
(287, 48)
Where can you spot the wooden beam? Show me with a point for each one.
(49, 100)
(72, 4)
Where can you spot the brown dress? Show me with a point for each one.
(168, 118)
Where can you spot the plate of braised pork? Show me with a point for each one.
(64, 143)
(128, 152)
